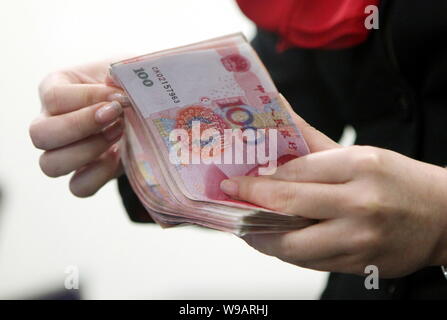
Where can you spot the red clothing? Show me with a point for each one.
(328, 24)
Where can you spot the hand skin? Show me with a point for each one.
(374, 206)
(79, 127)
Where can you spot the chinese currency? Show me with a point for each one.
(200, 114)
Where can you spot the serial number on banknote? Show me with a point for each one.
(166, 85)
(144, 76)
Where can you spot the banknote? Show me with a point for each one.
(200, 114)
(216, 88)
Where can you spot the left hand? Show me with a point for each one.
(80, 126)
(375, 207)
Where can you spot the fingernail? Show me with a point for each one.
(109, 112)
(113, 132)
(120, 97)
(229, 187)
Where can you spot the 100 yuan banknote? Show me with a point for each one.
(213, 110)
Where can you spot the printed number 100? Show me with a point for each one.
(144, 77)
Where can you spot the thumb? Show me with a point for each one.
(316, 140)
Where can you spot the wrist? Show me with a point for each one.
(440, 254)
(429, 204)
(441, 248)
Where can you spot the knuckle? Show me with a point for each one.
(49, 100)
(366, 159)
(255, 190)
(88, 96)
(50, 92)
(290, 170)
(77, 124)
(367, 203)
(37, 134)
(287, 248)
(285, 198)
(50, 168)
(79, 191)
(43, 83)
(249, 190)
(246, 189)
(366, 240)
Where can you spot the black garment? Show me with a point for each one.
(393, 90)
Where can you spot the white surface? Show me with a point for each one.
(44, 229)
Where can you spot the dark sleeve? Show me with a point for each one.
(133, 206)
(298, 75)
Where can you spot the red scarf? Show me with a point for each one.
(326, 24)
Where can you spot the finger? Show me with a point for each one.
(88, 180)
(343, 263)
(328, 166)
(53, 132)
(320, 241)
(316, 140)
(111, 82)
(58, 162)
(62, 98)
(310, 200)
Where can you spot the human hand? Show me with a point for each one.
(79, 127)
(374, 206)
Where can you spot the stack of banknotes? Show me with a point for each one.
(200, 114)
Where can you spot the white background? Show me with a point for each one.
(44, 229)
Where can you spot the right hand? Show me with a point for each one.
(79, 127)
